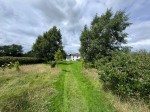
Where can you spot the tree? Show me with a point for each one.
(85, 39)
(63, 54)
(29, 54)
(58, 55)
(11, 50)
(105, 36)
(47, 44)
(16, 50)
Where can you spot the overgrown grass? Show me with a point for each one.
(27, 90)
(66, 88)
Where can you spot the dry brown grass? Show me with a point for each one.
(39, 68)
(128, 106)
(33, 69)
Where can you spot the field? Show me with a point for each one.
(66, 88)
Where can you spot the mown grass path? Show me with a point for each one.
(76, 93)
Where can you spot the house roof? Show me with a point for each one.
(76, 54)
(69, 55)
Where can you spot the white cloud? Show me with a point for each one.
(23, 20)
(143, 44)
(139, 31)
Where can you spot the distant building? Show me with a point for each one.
(73, 57)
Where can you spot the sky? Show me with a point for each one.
(21, 21)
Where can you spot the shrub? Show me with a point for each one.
(10, 65)
(53, 64)
(16, 65)
(88, 65)
(128, 75)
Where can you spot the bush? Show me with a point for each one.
(16, 65)
(53, 64)
(128, 75)
(21, 60)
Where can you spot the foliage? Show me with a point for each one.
(58, 55)
(11, 50)
(22, 60)
(16, 65)
(53, 64)
(29, 54)
(86, 40)
(128, 74)
(64, 54)
(47, 45)
(105, 36)
(88, 65)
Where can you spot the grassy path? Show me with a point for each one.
(76, 93)
(66, 88)
(73, 98)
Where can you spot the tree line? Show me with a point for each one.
(11, 50)
(105, 35)
(45, 47)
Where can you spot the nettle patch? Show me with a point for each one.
(128, 75)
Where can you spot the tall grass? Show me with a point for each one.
(27, 90)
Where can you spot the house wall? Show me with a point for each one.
(75, 58)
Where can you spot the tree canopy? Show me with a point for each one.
(47, 44)
(105, 35)
(11, 50)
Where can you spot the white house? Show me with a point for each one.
(73, 57)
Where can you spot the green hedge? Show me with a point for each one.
(22, 60)
(127, 74)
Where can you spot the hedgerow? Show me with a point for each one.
(127, 74)
(21, 60)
